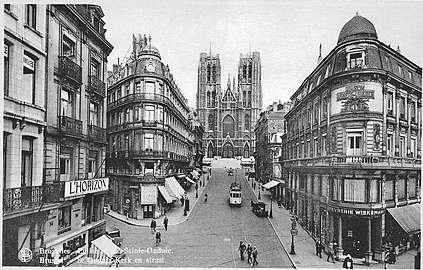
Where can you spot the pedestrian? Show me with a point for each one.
(319, 248)
(330, 252)
(348, 262)
(205, 197)
(279, 203)
(158, 238)
(254, 253)
(153, 226)
(182, 201)
(249, 251)
(392, 256)
(241, 249)
(417, 260)
(165, 222)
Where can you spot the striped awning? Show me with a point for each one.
(189, 180)
(165, 194)
(408, 217)
(174, 189)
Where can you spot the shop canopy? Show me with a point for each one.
(165, 194)
(195, 174)
(174, 188)
(106, 245)
(271, 184)
(408, 217)
(189, 180)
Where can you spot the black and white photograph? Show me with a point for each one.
(212, 134)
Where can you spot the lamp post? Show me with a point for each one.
(196, 190)
(294, 231)
(271, 206)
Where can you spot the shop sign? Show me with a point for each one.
(28, 62)
(81, 187)
(356, 212)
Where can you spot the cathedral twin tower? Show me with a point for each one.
(229, 114)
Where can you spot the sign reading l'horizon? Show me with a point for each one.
(81, 187)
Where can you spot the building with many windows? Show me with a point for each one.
(353, 154)
(229, 114)
(23, 131)
(149, 131)
(268, 131)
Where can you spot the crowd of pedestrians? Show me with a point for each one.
(251, 253)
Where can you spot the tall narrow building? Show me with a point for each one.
(229, 114)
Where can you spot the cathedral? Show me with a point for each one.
(229, 113)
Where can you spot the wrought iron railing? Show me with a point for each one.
(70, 126)
(70, 69)
(97, 86)
(96, 134)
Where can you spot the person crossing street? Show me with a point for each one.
(249, 251)
(241, 249)
(165, 223)
(254, 253)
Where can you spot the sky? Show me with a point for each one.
(286, 33)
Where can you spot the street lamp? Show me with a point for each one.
(271, 206)
(196, 190)
(294, 231)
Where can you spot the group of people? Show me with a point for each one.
(251, 253)
(153, 226)
(348, 262)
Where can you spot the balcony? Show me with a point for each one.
(97, 86)
(70, 127)
(70, 70)
(96, 134)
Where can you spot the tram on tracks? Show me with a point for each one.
(235, 194)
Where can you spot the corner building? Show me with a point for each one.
(229, 114)
(353, 154)
(149, 131)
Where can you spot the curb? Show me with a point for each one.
(294, 265)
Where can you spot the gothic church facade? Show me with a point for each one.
(230, 113)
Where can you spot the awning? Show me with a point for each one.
(189, 180)
(106, 245)
(174, 189)
(271, 184)
(165, 194)
(195, 174)
(408, 217)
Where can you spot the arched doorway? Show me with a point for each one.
(246, 150)
(210, 151)
(228, 150)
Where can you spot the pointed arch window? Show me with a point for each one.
(244, 98)
(244, 71)
(228, 126)
(249, 99)
(214, 99)
(246, 150)
(211, 122)
(208, 73)
(250, 70)
(214, 73)
(208, 99)
(210, 150)
(247, 121)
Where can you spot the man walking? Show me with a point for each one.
(254, 256)
(241, 249)
(158, 238)
(348, 262)
(165, 222)
(330, 252)
(153, 226)
(319, 248)
(249, 251)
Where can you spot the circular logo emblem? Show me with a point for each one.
(25, 255)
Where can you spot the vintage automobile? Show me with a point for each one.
(114, 234)
(259, 208)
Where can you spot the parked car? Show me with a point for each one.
(114, 234)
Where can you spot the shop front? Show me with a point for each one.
(357, 232)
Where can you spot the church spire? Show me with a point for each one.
(229, 81)
(233, 85)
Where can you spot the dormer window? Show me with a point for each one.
(96, 23)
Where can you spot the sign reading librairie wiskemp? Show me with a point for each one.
(81, 187)
(356, 212)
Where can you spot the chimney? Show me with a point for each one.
(319, 59)
(398, 50)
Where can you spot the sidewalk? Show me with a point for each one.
(305, 252)
(176, 212)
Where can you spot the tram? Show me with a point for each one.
(235, 194)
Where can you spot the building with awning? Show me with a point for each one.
(271, 184)
(174, 188)
(165, 194)
(104, 250)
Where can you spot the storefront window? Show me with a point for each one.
(354, 190)
(401, 188)
(389, 188)
(336, 189)
(374, 190)
(64, 219)
(412, 187)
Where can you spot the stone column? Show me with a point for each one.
(339, 250)
(369, 253)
